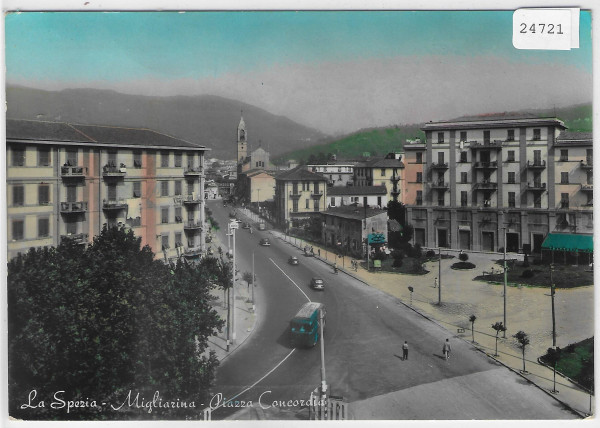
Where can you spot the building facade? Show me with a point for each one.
(475, 180)
(68, 180)
(371, 196)
(299, 195)
(388, 172)
(336, 173)
(257, 185)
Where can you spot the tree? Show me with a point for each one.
(103, 321)
(472, 319)
(523, 340)
(498, 326)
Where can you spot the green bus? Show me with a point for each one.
(304, 327)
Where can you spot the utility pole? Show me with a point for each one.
(505, 279)
(233, 225)
(253, 285)
(323, 380)
(552, 292)
(228, 293)
(440, 276)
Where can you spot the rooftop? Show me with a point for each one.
(497, 120)
(20, 130)
(299, 174)
(575, 136)
(356, 190)
(352, 212)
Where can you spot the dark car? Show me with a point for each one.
(317, 283)
(232, 214)
(246, 226)
(265, 242)
(293, 260)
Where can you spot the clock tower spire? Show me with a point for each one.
(242, 141)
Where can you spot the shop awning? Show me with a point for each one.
(569, 242)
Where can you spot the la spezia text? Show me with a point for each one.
(134, 400)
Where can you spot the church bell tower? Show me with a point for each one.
(242, 141)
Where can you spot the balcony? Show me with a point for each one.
(78, 238)
(73, 171)
(487, 203)
(486, 165)
(112, 171)
(588, 163)
(316, 194)
(73, 207)
(192, 225)
(193, 252)
(419, 201)
(435, 165)
(496, 144)
(191, 199)
(587, 187)
(563, 204)
(536, 186)
(485, 185)
(113, 205)
(440, 185)
(536, 164)
(192, 171)
(295, 195)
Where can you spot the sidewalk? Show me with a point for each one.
(528, 309)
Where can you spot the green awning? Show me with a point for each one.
(569, 242)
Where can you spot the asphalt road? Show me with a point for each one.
(363, 346)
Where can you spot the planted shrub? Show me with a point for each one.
(463, 257)
(397, 263)
(527, 273)
(430, 253)
(416, 251)
(463, 265)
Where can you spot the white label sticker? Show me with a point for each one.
(548, 29)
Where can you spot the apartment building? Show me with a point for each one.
(388, 172)
(337, 173)
(371, 196)
(299, 195)
(475, 179)
(69, 180)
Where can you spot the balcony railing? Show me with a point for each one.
(114, 204)
(114, 171)
(79, 238)
(194, 171)
(486, 165)
(419, 201)
(588, 163)
(192, 225)
(540, 164)
(295, 195)
(192, 252)
(439, 185)
(73, 171)
(485, 185)
(316, 194)
(443, 165)
(536, 186)
(191, 199)
(496, 144)
(73, 207)
(563, 204)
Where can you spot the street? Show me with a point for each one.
(363, 347)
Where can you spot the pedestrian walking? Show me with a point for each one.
(319, 251)
(446, 349)
(435, 282)
(405, 351)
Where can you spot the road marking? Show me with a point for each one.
(257, 382)
(307, 298)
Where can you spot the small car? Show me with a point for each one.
(265, 242)
(293, 260)
(317, 283)
(232, 214)
(262, 226)
(245, 225)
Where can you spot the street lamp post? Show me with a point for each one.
(233, 225)
(253, 285)
(323, 379)
(505, 279)
(552, 293)
(440, 276)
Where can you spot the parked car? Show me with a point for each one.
(245, 225)
(293, 260)
(317, 283)
(265, 242)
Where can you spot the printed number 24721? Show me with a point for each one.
(541, 28)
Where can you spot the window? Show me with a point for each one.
(164, 240)
(316, 204)
(537, 202)
(164, 188)
(463, 157)
(383, 172)
(295, 188)
(72, 157)
(190, 188)
(486, 137)
(510, 135)
(177, 160)
(340, 177)
(43, 227)
(190, 160)
(564, 200)
(72, 193)
(137, 159)
(510, 156)
(164, 159)
(71, 227)
(590, 177)
(537, 157)
(419, 177)
(463, 199)
(419, 157)
(43, 156)
(419, 197)
(441, 158)
(511, 199)
(164, 215)
(564, 155)
(18, 195)
(137, 189)
(112, 192)
(589, 156)
(463, 136)
(178, 216)
(43, 194)
(564, 178)
(178, 241)
(332, 202)
(440, 199)
(464, 177)
(112, 158)
(511, 177)
(537, 134)
(295, 205)
(177, 187)
(17, 230)
(316, 186)
(440, 137)
(18, 156)
(307, 206)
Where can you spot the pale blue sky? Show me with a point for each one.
(271, 58)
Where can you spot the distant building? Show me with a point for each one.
(337, 173)
(346, 228)
(299, 195)
(69, 180)
(373, 196)
(388, 172)
(257, 185)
